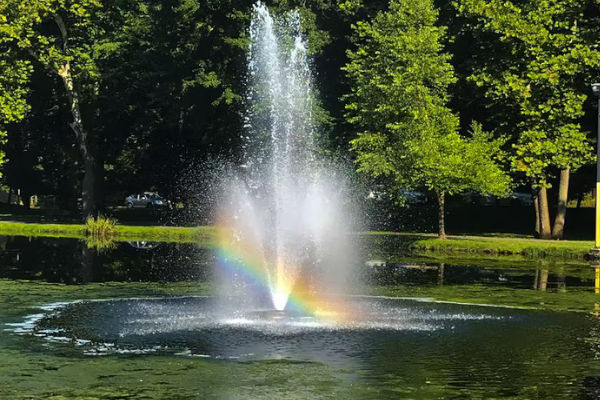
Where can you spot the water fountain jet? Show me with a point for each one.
(285, 214)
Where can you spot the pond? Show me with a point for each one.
(141, 320)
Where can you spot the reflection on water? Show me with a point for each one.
(541, 280)
(596, 278)
(425, 273)
(72, 261)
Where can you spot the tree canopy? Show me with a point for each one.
(398, 101)
(542, 80)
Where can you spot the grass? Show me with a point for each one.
(486, 245)
(413, 243)
(201, 234)
(506, 246)
(77, 231)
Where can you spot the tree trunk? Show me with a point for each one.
(545, 232)
(536, 206)
(26, 199)
(88, 184)
(441, 215)
(98, 158)
(561, 209)
(9, 196)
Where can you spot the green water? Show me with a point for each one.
(548, 348)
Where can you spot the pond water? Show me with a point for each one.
(140, 321)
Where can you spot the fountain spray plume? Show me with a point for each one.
(284, 226)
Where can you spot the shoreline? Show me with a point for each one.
(412, 242)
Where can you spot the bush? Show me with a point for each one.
(101, 228)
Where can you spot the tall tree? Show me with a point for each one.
(400, 79)
(59, 35)
(553, 47)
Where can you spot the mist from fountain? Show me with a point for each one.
(285, 222)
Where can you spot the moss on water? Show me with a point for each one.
(29, 371)
(154, 377)
(16, 296)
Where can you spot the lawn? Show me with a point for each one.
(201, 234)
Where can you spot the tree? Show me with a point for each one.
(552, 50)
(398, 97)
(59, 35)
(41, 156)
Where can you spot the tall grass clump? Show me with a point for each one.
(101, 228)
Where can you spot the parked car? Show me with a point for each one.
(145, 200)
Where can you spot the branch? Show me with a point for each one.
(63, 29)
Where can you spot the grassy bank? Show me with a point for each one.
(201, 234)
(482, 245)
(413, 243)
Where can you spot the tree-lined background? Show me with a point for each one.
(101, 98)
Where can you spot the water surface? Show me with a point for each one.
(137, 322)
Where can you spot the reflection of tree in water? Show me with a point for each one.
(53, 260)
(72, 261)
(89, 264)
(540, 281)
(542, 278)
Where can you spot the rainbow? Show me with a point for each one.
(296, 293)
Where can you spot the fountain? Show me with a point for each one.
(286, 266)
(284, 224)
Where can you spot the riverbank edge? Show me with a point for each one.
(465, 245)
(414, 242)
(176, 234)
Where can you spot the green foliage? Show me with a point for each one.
(27, 25)
(14, 77)
(398, 99)
(101, 229)
(553, 49)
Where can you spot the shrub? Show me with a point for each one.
(101, 228)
